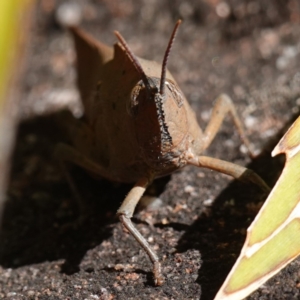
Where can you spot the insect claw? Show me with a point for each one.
(125, 230)
(158, 277)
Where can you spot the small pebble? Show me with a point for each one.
(69, 14)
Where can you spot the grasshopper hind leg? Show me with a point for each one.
(231, 169)
(224, 106)
(66, 155)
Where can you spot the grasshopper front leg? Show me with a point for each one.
(125, 213)
(67, 153)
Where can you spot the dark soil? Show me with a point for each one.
(252, 53)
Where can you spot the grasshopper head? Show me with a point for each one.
(160, 120)
(157, 107)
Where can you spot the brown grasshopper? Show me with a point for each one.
(138, 125)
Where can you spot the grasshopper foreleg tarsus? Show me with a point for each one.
(158, 277)
(125, 213)
(222, 107)
(236, 171)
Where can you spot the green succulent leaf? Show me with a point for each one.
(273, 238)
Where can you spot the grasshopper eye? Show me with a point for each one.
(133, 103)
(175, 92)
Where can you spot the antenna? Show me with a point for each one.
(133, 59)
(167, 53)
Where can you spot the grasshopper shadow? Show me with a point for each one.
(219, 237)
(40, 204)
(40, 219)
